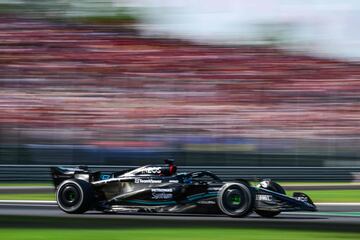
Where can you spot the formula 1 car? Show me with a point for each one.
(159, 189)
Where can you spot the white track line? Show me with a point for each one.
(25, 187)
(28, 201)
(26, 205)
(337, 204)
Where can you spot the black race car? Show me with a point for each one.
(159, 189)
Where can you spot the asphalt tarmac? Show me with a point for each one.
(338, 217)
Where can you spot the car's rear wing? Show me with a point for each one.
(60, 174)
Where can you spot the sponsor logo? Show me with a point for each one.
(162, 195)
(303, 199)
(207, 202)
(157, 190)
(151, 170)
(139, 180)
(105, 177)
(173, 181)
(264, 197)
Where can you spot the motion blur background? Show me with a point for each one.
(207, 82)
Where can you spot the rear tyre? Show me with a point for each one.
(236, 199)
(75, 196)
(272, 186)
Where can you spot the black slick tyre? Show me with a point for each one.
(275, 187)
(236, 199)
(75, 196)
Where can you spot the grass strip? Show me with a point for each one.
(331, 196)
(28, 196)
(26, 184)
(172, 233)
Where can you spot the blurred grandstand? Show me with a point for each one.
(105, 94)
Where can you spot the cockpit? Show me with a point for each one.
(169, 169)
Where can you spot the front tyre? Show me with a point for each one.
(236, 199)
(275, 187)
(75, 196)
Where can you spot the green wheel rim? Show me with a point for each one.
(236, 200)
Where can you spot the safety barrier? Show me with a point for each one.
(42, 172)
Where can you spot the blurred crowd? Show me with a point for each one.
(109, 86)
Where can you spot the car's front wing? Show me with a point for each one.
(272, 201)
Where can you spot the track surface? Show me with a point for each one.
(344, 217)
